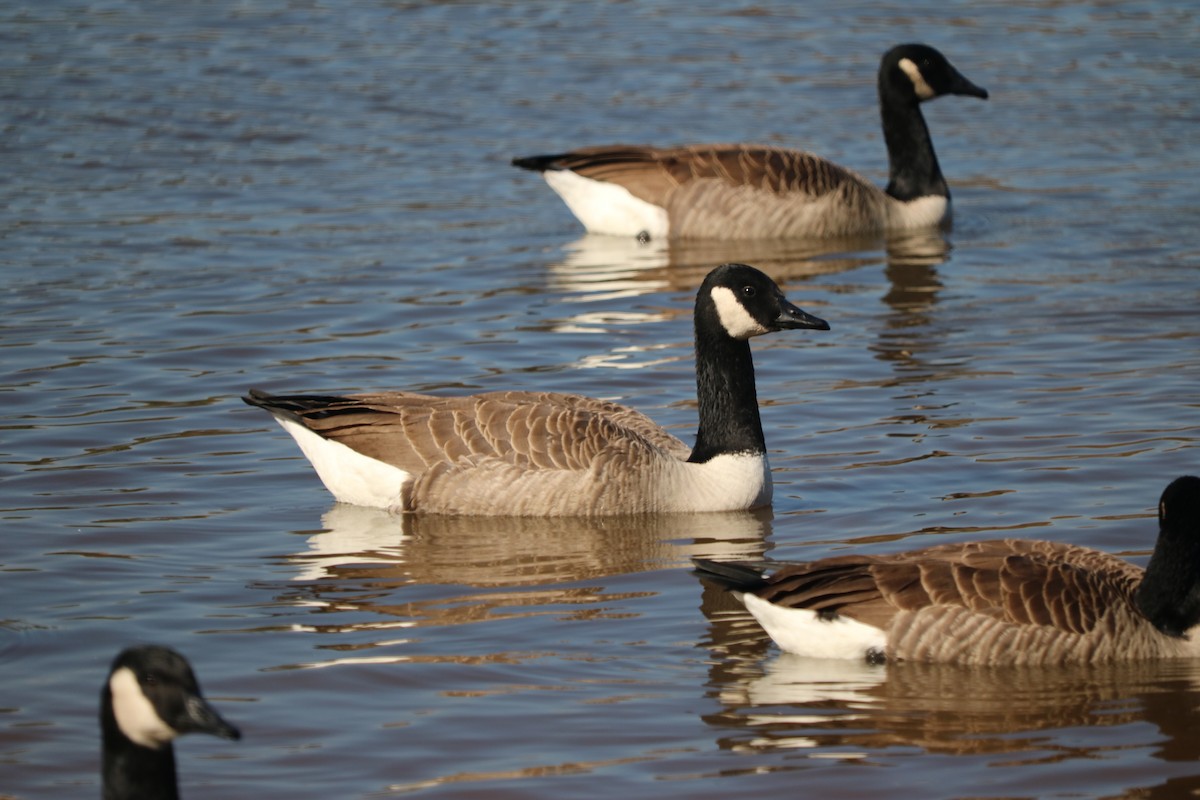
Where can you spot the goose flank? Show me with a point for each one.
(744, 191)
(151, 696)
(548, 454)
(999, 602)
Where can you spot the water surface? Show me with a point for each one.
(199, 199)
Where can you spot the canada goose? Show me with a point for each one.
(740, 191)
(1009, 601)
(151, 696)
(539, 453)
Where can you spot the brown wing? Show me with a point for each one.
(652, 173)
(1015, 581)
(525, 429)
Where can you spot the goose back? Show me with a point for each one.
(1010, 601)
(413, 432)
(727, 191)
(520, 452)
(999, 602)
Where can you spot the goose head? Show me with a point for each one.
(151, 696)
(1169, 594)
(745, 302)
(918, 72)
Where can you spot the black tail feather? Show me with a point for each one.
(295, 406)
(733, 575)
(538, 163)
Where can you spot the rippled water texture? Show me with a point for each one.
(200, 198)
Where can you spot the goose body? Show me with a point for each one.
(151, 696)
(542, 453)
(744, 191)
(1000, 602)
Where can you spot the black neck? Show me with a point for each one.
(131, 771)
(1169, 594)
(912, 166)
(729, 421)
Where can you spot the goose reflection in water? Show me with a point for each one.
(604, 272)
(517, 551)
(383, 575)
(600, 268)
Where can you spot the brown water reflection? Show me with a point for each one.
(958, 710)
(507, 551)
(361, 568)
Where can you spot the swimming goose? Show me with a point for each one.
(151, 696)
(1010, 601)
(540, 453)
(739, 191)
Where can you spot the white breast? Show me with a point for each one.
(607, 208)
(729, 482)
(923, 212)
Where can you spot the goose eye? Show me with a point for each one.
(749, 291)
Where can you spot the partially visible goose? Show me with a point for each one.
(151, 696)
(742, 191)
(1010, 601)
(539, 453)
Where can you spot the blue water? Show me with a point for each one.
(201, 198)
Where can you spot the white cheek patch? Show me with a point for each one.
(135, 714)
(923, 89)
(735, 319)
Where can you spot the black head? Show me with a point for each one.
(922, 73)
(746, 303)
(1169, 594)
(152, 696)
(1179, 507)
